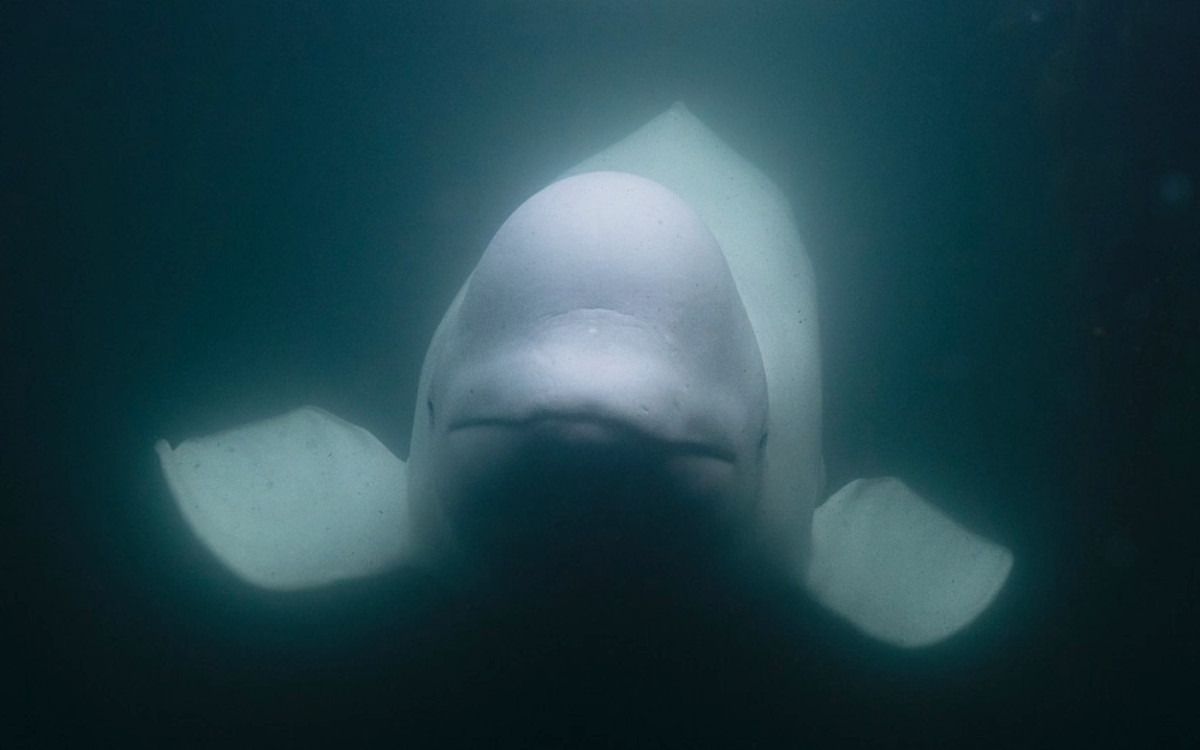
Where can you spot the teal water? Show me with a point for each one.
(214, 212)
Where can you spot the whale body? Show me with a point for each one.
(631, 369)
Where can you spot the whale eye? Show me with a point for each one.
(429, 406)
(762, 442)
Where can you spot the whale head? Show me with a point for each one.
(596, 391)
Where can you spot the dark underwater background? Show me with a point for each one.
(212, 212)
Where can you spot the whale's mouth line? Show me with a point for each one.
(584, 428)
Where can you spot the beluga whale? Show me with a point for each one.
(630, 374)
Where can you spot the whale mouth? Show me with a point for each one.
(589, 430)
(594, 372)
(579, 496)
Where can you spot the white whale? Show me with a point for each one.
(637, 350)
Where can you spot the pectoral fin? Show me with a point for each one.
(897, 568)
(296, 501)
